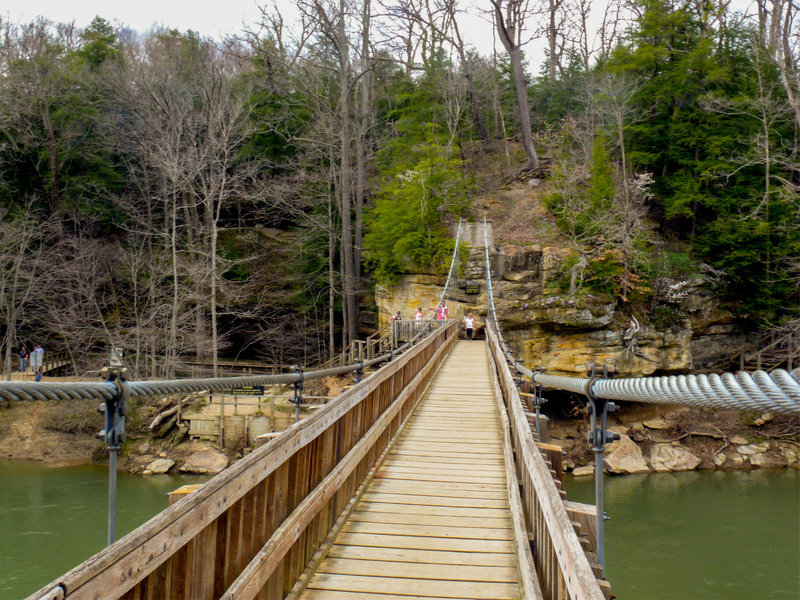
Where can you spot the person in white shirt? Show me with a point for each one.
(469, 325)
(419, 316)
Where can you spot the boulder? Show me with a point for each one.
(205, 461)
(719, 459)
(738, 440)
(763, 419)
(751, 449)
(765, 460)
(583, 471)
(790, 454)
(160, 465)
(656, 424)
(624, 456)
(666, 457)
(736, 459)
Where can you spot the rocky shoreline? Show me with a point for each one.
(654, 439)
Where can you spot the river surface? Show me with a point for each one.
(695, 536)
(52, 519)
(701, 535)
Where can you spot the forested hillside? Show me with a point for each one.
(179, 197)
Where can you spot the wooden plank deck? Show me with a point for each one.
(435, 520)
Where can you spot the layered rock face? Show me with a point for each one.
(565, 333)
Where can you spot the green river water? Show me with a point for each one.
(698, 536)
(52, 519)
(701, 535)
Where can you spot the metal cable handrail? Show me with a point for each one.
(778, 391)
(30, 390)
(452, 264)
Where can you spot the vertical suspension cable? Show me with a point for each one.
(452, 266)
(491, 314)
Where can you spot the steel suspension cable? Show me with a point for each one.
(31, 390)
(453, 264)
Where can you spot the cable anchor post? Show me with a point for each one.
(599, 437)
(297, 389)
(538, 400)
(358, 374)
(114, 409)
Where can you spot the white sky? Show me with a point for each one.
(216, 18)
(207, 17)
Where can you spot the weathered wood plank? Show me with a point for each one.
(474, 532)
(373, 516)
(374, 568)
(453, 589)
(415, 555)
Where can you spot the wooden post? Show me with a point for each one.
(272, 412)
(222, 421)
(182, 492)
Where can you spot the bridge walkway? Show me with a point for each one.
(435, 520)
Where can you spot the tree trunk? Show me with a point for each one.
(362, 143)
(507, 34)
(524, 112)
(344, 184)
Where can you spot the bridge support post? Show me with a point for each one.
(298, 393)
(114, 410)
(598, 437)
(538, 400)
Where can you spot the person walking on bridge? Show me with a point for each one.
(419, 315)
(37, 357)
(469, 325)
(442, 312)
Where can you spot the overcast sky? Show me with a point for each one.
(209, 18)
(206, 17)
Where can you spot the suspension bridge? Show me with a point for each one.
(426, 479)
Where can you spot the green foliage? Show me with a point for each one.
(704, 94)
(673, 264)
(601, 183)
(422, 181)
(603, 274)
(405, 226)
(100, 43)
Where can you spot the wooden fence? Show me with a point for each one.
(250, 531)
(562, 567)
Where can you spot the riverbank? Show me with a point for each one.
(653, 438)
(671, 438)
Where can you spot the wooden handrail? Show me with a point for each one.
(562, 566)
(253, 528)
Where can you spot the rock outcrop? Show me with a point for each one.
(565, 333)
(160, 465)
(666, 457)
(624, 457)
(205, 461)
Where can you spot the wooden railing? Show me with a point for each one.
(375, 345)
(562, 566)
(251, 530)
(780, 348)
(382, 341)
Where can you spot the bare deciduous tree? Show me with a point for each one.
(509, 22)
